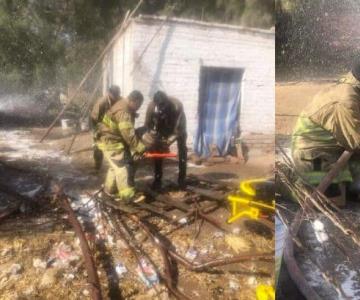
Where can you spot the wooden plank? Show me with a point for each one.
(211, 194)
(165, 199)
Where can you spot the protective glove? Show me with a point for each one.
(138, 156)
(171, 139)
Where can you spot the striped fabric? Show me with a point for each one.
(219, 108)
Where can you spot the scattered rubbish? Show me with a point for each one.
(29, 291)
(234, 285)
(24, 208)
(49, 277)
(236, 243)
(110, 240)
(63, 255)
(15, 269)
(120, 269)
(140, 199)
(84, 125)
(252, 280)
(6, 252)
(236, 230)
(32, 193)
(39, 264)
(147, 273)
(218, 234)
(191, 254)
(319, 230)
(66, 124)
(195, 293)
(192, 165)
(204, 251)
(121, 245)
(69, 276)
(183, 221)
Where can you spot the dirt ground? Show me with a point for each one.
(40, 254)
(291, 98)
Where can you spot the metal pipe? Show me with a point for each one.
(93, 278)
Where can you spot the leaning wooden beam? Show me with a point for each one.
(335, 170)
(83, 115)
(93, 278)
(92, 68)
(149, 43)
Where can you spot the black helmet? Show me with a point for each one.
(160, 97)
(114, 91)
(136, 96)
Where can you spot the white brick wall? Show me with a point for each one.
(172, 63)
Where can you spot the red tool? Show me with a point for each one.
(159, 155)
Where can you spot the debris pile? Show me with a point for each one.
(175, 243)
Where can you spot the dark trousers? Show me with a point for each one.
(182, 153)
(98, 157)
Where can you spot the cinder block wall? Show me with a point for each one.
(173, 60)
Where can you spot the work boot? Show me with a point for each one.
(156, 185)
(98, 158)
(182, 183)
(106, 196)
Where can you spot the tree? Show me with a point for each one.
(48, 43)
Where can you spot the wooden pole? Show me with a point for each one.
(336, 168)
(123, 26)
(295, 272)
(149, 43)
(84, 114)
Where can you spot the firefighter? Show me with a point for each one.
(166, 118)
(327, 127)
(101, 106)
(121, 146)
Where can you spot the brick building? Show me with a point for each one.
(175, 55)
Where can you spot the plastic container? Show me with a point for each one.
(84, 125)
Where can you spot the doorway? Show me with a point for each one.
(218, 110)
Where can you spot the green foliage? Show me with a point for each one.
(48, 43)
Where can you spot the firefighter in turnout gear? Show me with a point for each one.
(165, 118)
(121, 146)
(327, 127)
(101, 106)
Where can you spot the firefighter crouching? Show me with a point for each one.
(121, 146)
(327, 127)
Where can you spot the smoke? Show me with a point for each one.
(11, 104)
(18, 109)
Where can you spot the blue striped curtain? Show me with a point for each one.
(219, 107)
